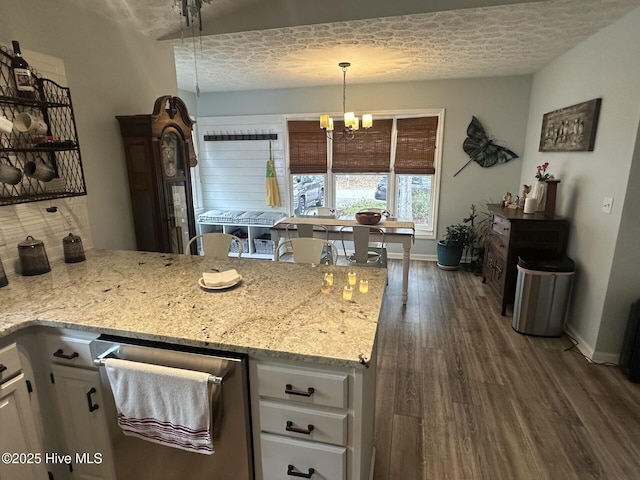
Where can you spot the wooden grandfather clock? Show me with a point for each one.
(159, 154)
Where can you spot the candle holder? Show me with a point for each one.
(363, 286)
(347, 292)
(328, 277)
(351, 278)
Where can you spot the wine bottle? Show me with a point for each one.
(21, 73)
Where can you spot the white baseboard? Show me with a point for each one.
(421, 257)
(589, 352)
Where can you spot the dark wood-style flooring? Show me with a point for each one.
(461, 395)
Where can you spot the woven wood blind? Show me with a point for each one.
(416, 145)
(307, 147)
(364, 153)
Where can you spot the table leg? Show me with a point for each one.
(405, 274)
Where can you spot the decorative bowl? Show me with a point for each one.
(368, 217)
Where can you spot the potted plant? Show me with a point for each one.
(479, 228)
(450, 248)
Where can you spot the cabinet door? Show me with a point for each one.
(18, 433)
(84, 422)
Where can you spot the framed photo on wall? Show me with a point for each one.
(570, 129)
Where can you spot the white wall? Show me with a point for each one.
(233, 173)
(111, 71)
(500, 103)
(607, 66)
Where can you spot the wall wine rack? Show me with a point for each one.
(58, 148)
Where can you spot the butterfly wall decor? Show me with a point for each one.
(482, 149)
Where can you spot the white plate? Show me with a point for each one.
(219, 287)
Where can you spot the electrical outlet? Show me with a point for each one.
(607, 203)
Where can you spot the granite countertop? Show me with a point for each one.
(277, 310)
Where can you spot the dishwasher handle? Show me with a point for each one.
(113, 353)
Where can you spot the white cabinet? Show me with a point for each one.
(252, 226)
(256, 239)
(81, 407)
(18, 432)
(287, 458)
(312, 422)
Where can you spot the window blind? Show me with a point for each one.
(370, 152)
(416, 145)
(307, 147)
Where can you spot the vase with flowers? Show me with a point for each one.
(540, 189)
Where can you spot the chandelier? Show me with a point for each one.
(190, 10)
(351, 122)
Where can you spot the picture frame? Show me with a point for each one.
(571, 129)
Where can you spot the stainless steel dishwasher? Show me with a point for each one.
(137, 459)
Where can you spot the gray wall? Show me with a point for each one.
(111, 71)
(607, 66)
(500, 103)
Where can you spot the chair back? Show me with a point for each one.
(326, 212)
(216, 245)
(306, 230)
(365, 253)
(308, 250)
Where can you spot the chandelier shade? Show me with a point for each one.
(351, 123)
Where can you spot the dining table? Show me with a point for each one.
(395, 231)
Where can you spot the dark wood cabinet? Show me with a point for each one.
(515, 234)
(159, 153)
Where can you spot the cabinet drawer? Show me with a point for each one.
(283, 457)
(500, 244)
(501, 226)
(322, 426)
(9, 362)
(69, 351)
(303, 385)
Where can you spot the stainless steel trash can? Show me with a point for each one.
(542, 295)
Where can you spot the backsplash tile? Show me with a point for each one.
(19, 221)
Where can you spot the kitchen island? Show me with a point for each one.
(277, 309)
(277, 316)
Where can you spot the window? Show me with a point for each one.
(413, 201)
(308, 192)
(353, 192)
(393, 166)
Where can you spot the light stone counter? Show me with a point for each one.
(277, 310)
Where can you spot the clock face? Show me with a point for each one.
(170, 151)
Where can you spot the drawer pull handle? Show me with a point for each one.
(60, 354)
(291, 428)
(291, 471)
(3, 368)
(92, 406)
(290, 391)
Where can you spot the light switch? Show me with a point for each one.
(607, 203)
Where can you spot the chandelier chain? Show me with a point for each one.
(344, 90)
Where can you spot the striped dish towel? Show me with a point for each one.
(168, 406)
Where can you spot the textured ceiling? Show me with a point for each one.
(497, 40)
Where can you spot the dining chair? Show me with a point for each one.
(307, 230)
(365, 253)
(309, 250)
(216, 244)
(326, 212)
